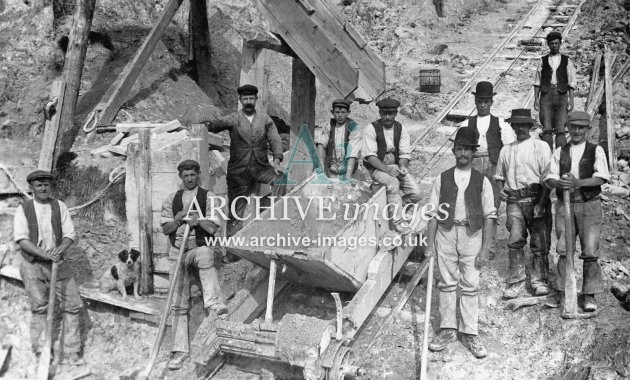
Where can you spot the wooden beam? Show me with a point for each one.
(610, 123)
(200, 40)
(595, 77)
(128, 76)
(254, 71)
(145, 212)
(51, 131)
(593, 106)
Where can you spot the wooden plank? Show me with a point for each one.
(253, 63)
(145, 213)
(200, 35)
(127, 78)
(593, 106)
(610, 108)
(156, 127)
(5, 351)
(595, 77)
(118, 138)
(51, 131)
(314, 48)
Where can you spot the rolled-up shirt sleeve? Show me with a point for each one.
(404, 146)
(487, 200)
(369, 141)
(601, 165)
(355, 142)
(434, 197)
(67, 227)
(20, 225)
(554, 167)
(544, 159)
(571, 74)
(538, 75)
(275, 142)
(167, 210)
(499, 175)
(322, 135)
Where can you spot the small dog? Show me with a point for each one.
(123, 274)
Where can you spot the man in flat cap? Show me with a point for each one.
(339, 142)
(198, 255)
(494, 133)
(553, 89)
(43, 229)
(251, 133)
(580, 167)
(461, 238)
(520, 173)
(387, 151)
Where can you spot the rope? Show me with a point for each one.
(114, 177)
(90, 119)
(12, 179)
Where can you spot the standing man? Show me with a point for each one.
(461, 237)
(494, 133)
(553, 89)
(339, 143)
(44, 231)
(520, 173)
(387, 151)
(580, 167)
(198, 255)
(251, 135)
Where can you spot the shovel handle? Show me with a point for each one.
(570, 286)
(44, 360)
(427, 322)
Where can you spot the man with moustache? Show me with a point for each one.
(43, 229)
(462, 238)
(197, 254)
(580, 167)
(553, 89)
(494, 133)
(520, 172)
(251, 133)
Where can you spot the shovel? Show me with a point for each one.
(427, 322)
(44, 360)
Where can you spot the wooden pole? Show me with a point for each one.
(72, 70)
(610, 124)
(145, 212)
(51, 131)
(200, 37)
(303, 93)
(599, 94)
(427, 323)
(570, 286)
(595, 78)
(44, 360)
(271, 290)
(254, 71)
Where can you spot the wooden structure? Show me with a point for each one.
(610, 124)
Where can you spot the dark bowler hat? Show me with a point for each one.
(521, 116)
(466, 137)
(247, 89)
(554, 36)
(341, 103)
(187, 165)
(579, 118)
(484, 90)
(39, 174)
(388, 104)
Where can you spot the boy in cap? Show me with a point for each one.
(494, 133)
(387, 151)
(251, 133)
(580, 167)
(198, 255)
(461, 237)
(339, 143)
(43, 229)
(520, 173)
(553, 90)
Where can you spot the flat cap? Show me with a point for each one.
(247, 89)
(579, 118)
(342, 103)
(39, 174)
(554, 36)
(188, 164)
(388, 104)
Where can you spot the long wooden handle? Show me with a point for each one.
(570, 286)
(44, 359)
(167, 306)
(427, 323)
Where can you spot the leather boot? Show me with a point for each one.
(516, 266)
(540, 273)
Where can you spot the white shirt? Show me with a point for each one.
(523, 163)
(370, 146)
(43, 212)
(250, 117)
(322, 136)
(554, 62)
(483, 124)
(576, 152)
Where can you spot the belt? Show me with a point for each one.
(577, 198)
(531, 191)
(461, 223)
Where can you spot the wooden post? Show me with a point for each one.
(145, 212)
(303, 94)
(595, 78)
(200, 41)
(51, 130)
(439, 7)
(608, 62)
(593, 106)
(254, 71)
(72, 70)
(271, 290)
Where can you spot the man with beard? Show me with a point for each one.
(580, 167)
(197, 254)
(520, 172)
(44, 231)
(494, 133)
(251, 133)
(461, 237)
(553, 90)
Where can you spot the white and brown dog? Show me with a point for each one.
(123, 274)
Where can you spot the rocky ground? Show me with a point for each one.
(529, 343)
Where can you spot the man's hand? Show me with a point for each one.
(180, 215)
(393, 171)
(570, 105)
(482, 258)
(503, 195)
(430, 252)
(403, 171)
(568, 182)
(539, 210)
(54, 254)
(193, 222)
(277, 167)
(537, 104)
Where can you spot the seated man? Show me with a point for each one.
(339, 144)
(387, 150)
(197, 255)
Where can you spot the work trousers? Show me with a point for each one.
(202, 259)
(520, 222)
(587, 220)
(244, 184)
(483, 165)
(553, 116)
(400, 191)
(457, 250)
(36, 279)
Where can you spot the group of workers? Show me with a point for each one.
(496, 161)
